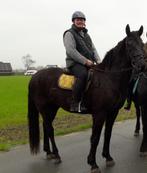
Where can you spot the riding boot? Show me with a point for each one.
(77, 107)
(83, 108)
(76, 104)
(128, 106)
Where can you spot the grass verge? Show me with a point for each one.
(64, 123)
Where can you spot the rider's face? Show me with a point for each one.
(79, 22)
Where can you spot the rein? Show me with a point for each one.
(104, 71)
(137, 81)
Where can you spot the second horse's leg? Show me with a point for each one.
(137, 127)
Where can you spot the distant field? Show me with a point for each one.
(13, 99)
(13, 113)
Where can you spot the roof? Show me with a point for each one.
(5, 68)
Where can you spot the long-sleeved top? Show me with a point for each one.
(72, 52)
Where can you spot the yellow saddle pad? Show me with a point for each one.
(66, 81)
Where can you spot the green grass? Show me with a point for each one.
(73, 129)
(5, 146)
(13, 100)
(13, 114)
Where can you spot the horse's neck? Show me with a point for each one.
(116, 59)
(117, 65)
(118, 70)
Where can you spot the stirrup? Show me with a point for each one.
(82, 109)
(79, 107)
(75, 107)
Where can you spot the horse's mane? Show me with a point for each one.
(113, 53)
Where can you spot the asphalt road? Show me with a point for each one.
(74, 149)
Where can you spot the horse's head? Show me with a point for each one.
(134, 48)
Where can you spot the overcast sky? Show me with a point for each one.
(36, 27)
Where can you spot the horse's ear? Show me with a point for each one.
(127, 29)
(140, 30)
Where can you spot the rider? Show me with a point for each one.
(81, 54)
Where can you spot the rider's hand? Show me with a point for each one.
(88, 63)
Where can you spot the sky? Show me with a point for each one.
(36, 27)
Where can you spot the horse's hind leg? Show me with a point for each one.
(107, 136)
(143, 148)
(137, 128)
(46, 144)
(48, 115)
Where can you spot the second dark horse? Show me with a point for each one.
(139, 97)
(104, 98)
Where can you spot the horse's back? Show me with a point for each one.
(44, 79)
(47, 73)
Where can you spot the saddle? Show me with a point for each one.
(67, 80)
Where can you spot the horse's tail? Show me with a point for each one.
(33, 123)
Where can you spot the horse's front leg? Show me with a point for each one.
(107, 136)
(98, 121)
(143, 148)
(137, 127)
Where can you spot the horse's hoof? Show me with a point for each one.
(110, 163)
(50, 156)
(143, 154)
(57, 161)
(136, 134)
(96, 170)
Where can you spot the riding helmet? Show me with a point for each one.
(78, 14)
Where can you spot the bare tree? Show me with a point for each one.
(27, 61)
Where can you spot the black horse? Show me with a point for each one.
(140, 102)
(105, 96)
(133, 96)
